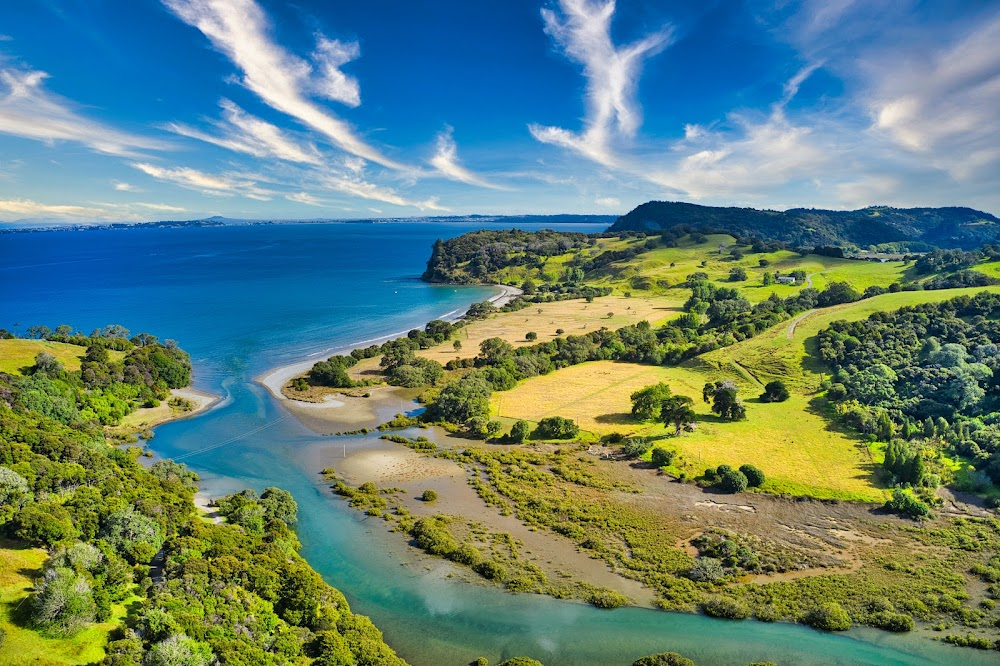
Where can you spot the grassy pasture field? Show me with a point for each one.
(575, 317)
(18, 566)
(658, 271)
(17, 354)
(654, 268)
(775, 355)
(792, 442)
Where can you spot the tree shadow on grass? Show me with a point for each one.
(621, 418)
(821, 407)
(811, 362)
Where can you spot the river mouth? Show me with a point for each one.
(241, 311)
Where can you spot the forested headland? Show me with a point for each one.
(130, 570)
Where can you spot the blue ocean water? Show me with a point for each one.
(242, 300)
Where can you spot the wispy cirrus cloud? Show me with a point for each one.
(911, 118)
(941, 103)
(445, 160)
(193, 179)
(243, 133)
(306, 198)
(357, 186)
(29, 208)
(239, 29)
(28, 110)
(583, 31)
(90, 212)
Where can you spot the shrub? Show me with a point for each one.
(519, 432)
(836, 392)
(635, 447)
(62, 603)
(755, 477)
(829, 617)
(890, 621)
(906, 504)
(662, 457)
(429, 495)
(560, 331)
(726, 608)
(531, 336)
(520, 661)
(491, 570)
(602, 598)
(556, 427)
(707, 569)
(467, 554)
(734, 481)
(775, 391)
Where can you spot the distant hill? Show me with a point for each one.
(951, 227)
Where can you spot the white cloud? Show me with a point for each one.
(942, 103)
(124, 187)
(284, 81)
(167, 208)
(445, 160)
(329, 56)
(28, 208)
(6, 38)
(912, 120)
(612, 73)
(358, 187)
(244, 133)
(205, 183)
(305, 198)
(608, 202)
(28, 110)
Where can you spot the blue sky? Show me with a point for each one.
(178, 109)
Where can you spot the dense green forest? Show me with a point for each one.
(913, 229)
(121, 533)
(475, 256)
(924, 379)
(117, 375)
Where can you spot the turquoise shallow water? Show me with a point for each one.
(242, 300)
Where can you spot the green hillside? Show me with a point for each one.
(919, 228)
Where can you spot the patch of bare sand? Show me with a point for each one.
(204, 504)
(391, 465)
(149, 417)
(344, 412)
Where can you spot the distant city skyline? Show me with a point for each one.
(186, 109)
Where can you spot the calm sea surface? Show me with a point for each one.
(243, 300)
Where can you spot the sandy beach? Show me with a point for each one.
(203, 503)
(150, 417)
(274, 380)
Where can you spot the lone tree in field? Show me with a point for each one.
(676, 411)
(775, 391)
(647, 402)
(725, 402)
